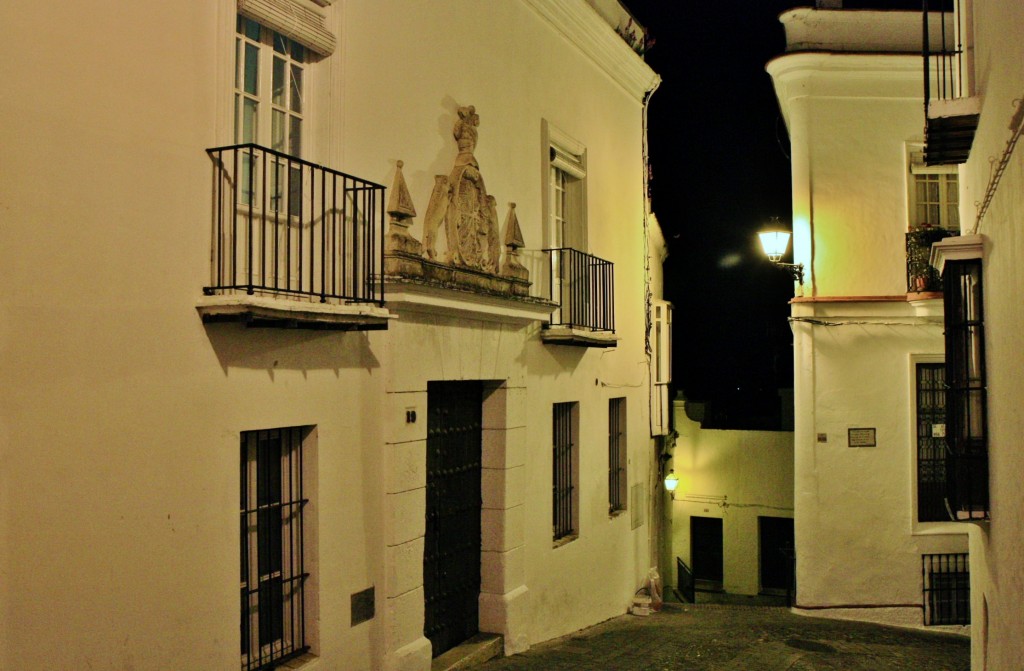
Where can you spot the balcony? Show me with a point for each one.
(951, 113)
(294, 244)
(922, 278)
(583, 286)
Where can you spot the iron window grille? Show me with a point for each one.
(966, 396)
(616, 454)
(931, 442)
(273, 578)
(947, 588)
(565, 429)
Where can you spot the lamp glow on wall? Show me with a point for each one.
(775, 240)
(671, 482)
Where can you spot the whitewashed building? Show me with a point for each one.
(731, 511)
(974, 121)
(258, 408)
(908, 505)
(869, 499)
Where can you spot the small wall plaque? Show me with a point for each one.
(362, 606)
(861, 437)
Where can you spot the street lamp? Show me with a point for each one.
(671, 482)
(774, 240)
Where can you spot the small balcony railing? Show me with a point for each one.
(921, 276)
(286, 227)
(584, 288)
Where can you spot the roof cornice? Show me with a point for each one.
(582, 26)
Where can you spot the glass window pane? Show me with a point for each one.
(249, 28)
(277, 131)
(933, 191)
(238, 62)
(252, 65)
(298, 52)
(280, 43)
(296, 99)
(248, 126)
(295, 136)
(277, 83)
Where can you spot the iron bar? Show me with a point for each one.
(584, 288)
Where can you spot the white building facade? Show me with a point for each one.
(259, 409)
(870, 516)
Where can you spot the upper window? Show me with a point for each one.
(274, 567)
(566, 204)
(934, 196)
(269, 88)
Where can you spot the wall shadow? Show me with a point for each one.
(270, 349)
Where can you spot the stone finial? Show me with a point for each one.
(401, 210)
(513, 242)
(400, 201)
(513, 234)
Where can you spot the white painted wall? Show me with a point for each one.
(753, 470)
(120, 413)
(856, 335)
(998, 580)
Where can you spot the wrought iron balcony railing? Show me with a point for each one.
(584, 288)
(286, 227)
(951, 116)
(921, 276)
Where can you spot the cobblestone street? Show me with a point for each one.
(741, 638)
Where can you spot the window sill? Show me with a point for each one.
(565, 540)
(275, 311)
(612, 514)
(564, 335)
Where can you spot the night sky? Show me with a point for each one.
(720, 168)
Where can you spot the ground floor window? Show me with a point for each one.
(566, 422)
(617, 457)
(947, 588)
(273, 573)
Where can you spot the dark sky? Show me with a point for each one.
(720, 169)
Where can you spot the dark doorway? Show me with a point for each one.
(706, 552)
(451, 556)
(776, 543)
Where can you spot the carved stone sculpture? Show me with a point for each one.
(513, 241)
(461, 203)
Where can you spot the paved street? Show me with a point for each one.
(741, 638)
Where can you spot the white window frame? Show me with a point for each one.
(947, 201)
(296, 472)
(661, 365)
(565, 202)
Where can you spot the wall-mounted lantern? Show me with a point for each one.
(775, 240)
(671, 482)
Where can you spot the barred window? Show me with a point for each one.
(616, 454)
(966, 397)
(273, 578)
(565, 418)
(947, 588)
(931, 442)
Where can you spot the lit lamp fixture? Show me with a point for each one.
(774, 240)
(671, 482)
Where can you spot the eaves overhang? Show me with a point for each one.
(583, 27)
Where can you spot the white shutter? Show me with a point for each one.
(295, 19)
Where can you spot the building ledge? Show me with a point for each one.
(277, 312)
(565, 335)
(956, 248)
(439, 296)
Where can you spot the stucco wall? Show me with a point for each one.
(1000, 576)
(120, 413)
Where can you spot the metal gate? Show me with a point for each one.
(451, 556)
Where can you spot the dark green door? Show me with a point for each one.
(451, 556)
